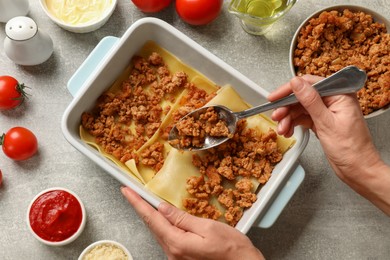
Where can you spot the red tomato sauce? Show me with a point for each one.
(55, 215)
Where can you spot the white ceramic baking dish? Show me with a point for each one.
(108, 60)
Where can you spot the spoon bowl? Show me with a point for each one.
(348, 80)
(224, 114)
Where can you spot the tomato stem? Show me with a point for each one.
(2, 139)
(20, 88)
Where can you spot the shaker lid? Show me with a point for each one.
(21, 28)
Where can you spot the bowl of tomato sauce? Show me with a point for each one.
(56, 216)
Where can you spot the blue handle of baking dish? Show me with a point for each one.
(91, 63)
(283, 197)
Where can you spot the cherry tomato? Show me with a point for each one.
(19, 143)
(198, 12)
(11, 93)
(151, 6)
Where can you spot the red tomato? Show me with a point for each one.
(19, 143)
(11, 92)
(198, 12)
(151, 6)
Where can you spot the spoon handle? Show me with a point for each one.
(348, 80)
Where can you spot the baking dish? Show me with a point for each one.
(112, 55)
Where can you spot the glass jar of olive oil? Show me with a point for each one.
(257, 16)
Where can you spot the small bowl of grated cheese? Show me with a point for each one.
(105, 250)
(79, 16)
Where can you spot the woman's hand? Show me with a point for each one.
(337, 121)
(183, 236)
(341, 129)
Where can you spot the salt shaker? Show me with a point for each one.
(12, 8)
(25, 43)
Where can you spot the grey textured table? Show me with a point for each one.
(324, 220)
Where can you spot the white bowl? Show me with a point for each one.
(69, 239)
(195, 56)
(81, 28)
(375, 15)
(105, 243)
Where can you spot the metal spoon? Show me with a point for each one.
(348, 80)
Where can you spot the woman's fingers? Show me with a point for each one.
(287, 124)
(285, 89)
(184, 220)
(293, 110)
(152, 218)
(167, 219)
(309, 98)
(280, 113)
(311, 78)
(284, 125)
(280, 92)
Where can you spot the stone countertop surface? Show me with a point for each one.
(325, 219)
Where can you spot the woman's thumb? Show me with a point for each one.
(177, 217)
(308, 97)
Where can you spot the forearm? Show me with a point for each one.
(373, 183)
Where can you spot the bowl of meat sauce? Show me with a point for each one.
(56, 216)
(342, 35)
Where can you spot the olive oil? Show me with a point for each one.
(262, 8)
(257, 16)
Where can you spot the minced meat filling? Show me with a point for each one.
(193, 131)
(124, 120)
(247, 155)
(135, 104)
(335, 40)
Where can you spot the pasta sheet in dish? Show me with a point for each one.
(130, 125)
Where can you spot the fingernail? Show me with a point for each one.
(280, 126)
(123, 190)
(274, 115)
(297, 83)
(165, 208)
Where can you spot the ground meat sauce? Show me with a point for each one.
(335, 40)
(139, 103)
(193, 131)
(55, 215)
(247, 155)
